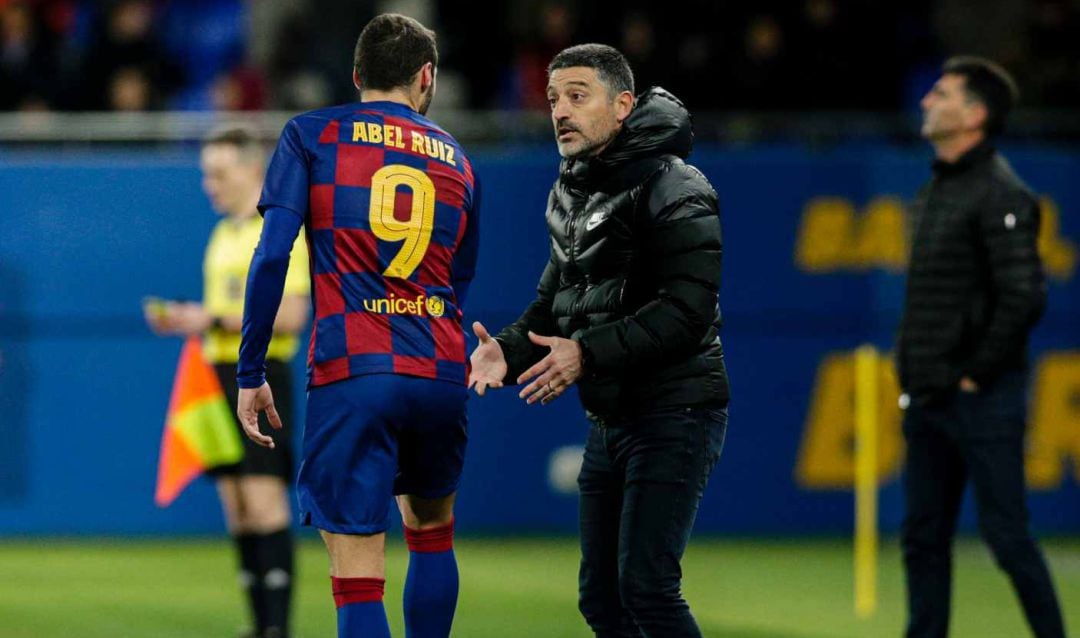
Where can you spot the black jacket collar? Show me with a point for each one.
(976, 155)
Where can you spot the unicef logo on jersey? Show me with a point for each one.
(436, 307)
(418, 306)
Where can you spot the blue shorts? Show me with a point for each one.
(370, 437)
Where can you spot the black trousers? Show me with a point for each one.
(257, 459)
(641, 483)
(978, 437)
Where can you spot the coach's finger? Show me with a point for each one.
(551, 396)
(538, 369)
(538, 388)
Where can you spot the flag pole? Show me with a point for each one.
(867, 371)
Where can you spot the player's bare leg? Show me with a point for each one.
(355, 555)
(425, 513)
(431, 587)
(357, 572)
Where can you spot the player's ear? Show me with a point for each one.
(427, 76)
(356, 79)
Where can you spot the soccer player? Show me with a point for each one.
(253, 492)
(626, 308)
(390, 203)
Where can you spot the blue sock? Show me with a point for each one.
(431, 588)
(360, 612)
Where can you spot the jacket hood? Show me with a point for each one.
(658, 125)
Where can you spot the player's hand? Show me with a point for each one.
(248, 405)
(488, 362)
(553, 374)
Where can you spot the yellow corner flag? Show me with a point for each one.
(200, 431)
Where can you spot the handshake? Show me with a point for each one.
(546, 380)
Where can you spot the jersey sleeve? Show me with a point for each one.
(463, 268)
(298, 279)
(265, 285)
(288, 176)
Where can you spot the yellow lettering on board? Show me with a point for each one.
(834, 237)
(827, 452)
(826, 455)
(826, 234)
(1058, 253)
(881, 236)
(1054, 435)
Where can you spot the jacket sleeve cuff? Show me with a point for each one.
(516, 350)
(588, 359)
(602, 345)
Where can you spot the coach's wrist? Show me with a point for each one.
(587, 359)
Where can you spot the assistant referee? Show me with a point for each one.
(254, 492)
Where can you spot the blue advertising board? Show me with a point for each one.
(813, 267)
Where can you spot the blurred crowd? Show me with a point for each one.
(138, 55)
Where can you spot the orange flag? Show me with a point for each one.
(200, 431)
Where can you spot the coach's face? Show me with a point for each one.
(227, 180)
(584, 110)
(948, 109)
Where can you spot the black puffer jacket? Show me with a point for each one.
(975, 285)
(634, 272)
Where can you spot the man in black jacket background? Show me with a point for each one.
(626, 309)
(975, 289)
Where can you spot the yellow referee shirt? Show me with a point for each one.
(225, 271)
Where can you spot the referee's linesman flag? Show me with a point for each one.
(200, 432)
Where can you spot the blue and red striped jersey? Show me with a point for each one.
(390, 206)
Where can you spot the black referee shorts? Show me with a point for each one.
(259, 460)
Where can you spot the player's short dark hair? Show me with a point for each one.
(391, 49)
(610, 65)
(990, 84)
(249, 145)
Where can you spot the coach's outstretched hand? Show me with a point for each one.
(488, 362)
(555, 372)
(249, 404)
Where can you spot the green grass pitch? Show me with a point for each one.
(510, 588)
